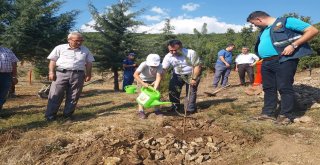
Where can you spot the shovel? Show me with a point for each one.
(210, 94)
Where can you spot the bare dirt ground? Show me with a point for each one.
(107, 129)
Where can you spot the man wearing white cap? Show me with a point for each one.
(149, 73)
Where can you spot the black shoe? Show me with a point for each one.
(283, 120)
(264, 117)
(51, 118)
(68, 119)
(191, 112)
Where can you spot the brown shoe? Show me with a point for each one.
(283, 120)
(264, 117)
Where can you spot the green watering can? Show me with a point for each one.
(131, 89)
(150, 97)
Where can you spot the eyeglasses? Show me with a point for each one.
(77, 40)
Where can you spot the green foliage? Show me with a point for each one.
(309, 62)
(116, 37)
(31, 28)
(115, 40)
(315, 42)
(41, 69)
(247, 36)
(296, 15)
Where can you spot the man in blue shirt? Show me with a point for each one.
(223, 66)
(280, 61)
(128, 70)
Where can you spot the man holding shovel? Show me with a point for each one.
(186, 70)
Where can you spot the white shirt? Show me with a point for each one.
(71, 59)
(148, 73)
(246, 58)
(182, 64)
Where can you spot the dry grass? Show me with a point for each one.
(101, 111)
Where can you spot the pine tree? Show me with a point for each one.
(116, 28)
(32, 28)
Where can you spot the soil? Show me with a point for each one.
(107, 130)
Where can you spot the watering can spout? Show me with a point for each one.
(157, 102)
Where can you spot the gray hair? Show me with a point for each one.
(74, 34)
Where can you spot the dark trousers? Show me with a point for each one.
(279, 77)
(175, 87)
(242, 70)
(221, 72)
(5, 84)
(127, 79)
(69, 83)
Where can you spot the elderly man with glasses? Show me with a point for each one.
(70, 65)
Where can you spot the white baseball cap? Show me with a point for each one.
(153, 60)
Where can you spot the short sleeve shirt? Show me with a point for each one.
(148, 73)
(7, 57)
(71, 59)
(182, 64)
(246, 58)
(266, 48)
(227, 56)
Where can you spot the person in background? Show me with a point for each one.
(149, 74)
(244, 64)
(186, 70)
(8, 72)
(282, 41)
(223, 66)
(70, 65)
(128, 70)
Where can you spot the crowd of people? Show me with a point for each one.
(71, 64)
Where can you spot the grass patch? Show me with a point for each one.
(253, 131)
(57, 145)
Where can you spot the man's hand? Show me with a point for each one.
(15, 81)
(52, 76)
(193, 82)
(145, 84)
(88, 78)
(227, 65)
(288, 50)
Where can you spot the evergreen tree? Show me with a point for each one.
(116, 27)
(32, 28)
(247, 36)
(230, 36)
(166, 36)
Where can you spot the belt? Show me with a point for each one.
(271, 58)
(66, 70)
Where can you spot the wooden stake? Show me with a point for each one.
(30, 77)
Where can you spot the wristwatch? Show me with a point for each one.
(194, 78)
(294, 46)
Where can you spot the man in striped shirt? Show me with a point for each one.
(8, 72)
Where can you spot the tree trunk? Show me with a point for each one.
(115, 79)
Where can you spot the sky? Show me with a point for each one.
(185, 15)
